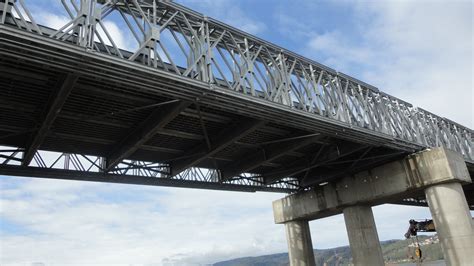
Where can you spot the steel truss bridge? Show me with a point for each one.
(192, 102)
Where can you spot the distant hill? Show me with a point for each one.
(395, 251)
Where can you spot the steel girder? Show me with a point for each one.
(231, 59)
(72, 166)
(190, 45)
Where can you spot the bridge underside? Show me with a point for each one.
(145, 126)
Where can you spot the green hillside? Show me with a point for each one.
(395, 251)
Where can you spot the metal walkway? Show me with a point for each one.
(193, 103)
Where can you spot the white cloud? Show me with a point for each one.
(420, 52)
(340, 53)
(123, 39)
(52, 20)
(432, 62)
(101, 224)
(105, 223)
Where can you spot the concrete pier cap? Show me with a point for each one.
(379, 185)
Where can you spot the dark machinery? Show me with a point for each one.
(419, 226)
(413, 229)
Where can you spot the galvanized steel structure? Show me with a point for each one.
(192, 102)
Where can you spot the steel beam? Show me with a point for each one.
(65, 86)
(62, 174)
(187, 89)
(265, 155)
(341, 171)
(227, 137)
(155, 122)
(302, 167)
(257, 69)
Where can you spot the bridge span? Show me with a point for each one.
(194, 103)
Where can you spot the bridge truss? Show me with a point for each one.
(190, 65)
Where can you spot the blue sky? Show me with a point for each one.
(419, 51)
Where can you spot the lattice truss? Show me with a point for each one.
(154, 172)
(170, 37)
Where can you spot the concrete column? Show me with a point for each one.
(363, 238)
(300, 248)
(438, 171)
(453, 222)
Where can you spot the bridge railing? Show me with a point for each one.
(180, 41)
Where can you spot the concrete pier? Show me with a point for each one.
(439, 172)
(300, 247)
(363, 238)
(453, 223)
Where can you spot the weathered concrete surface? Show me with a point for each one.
(453, 223)
(300, 247)
(382, 184)
(363, 238)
